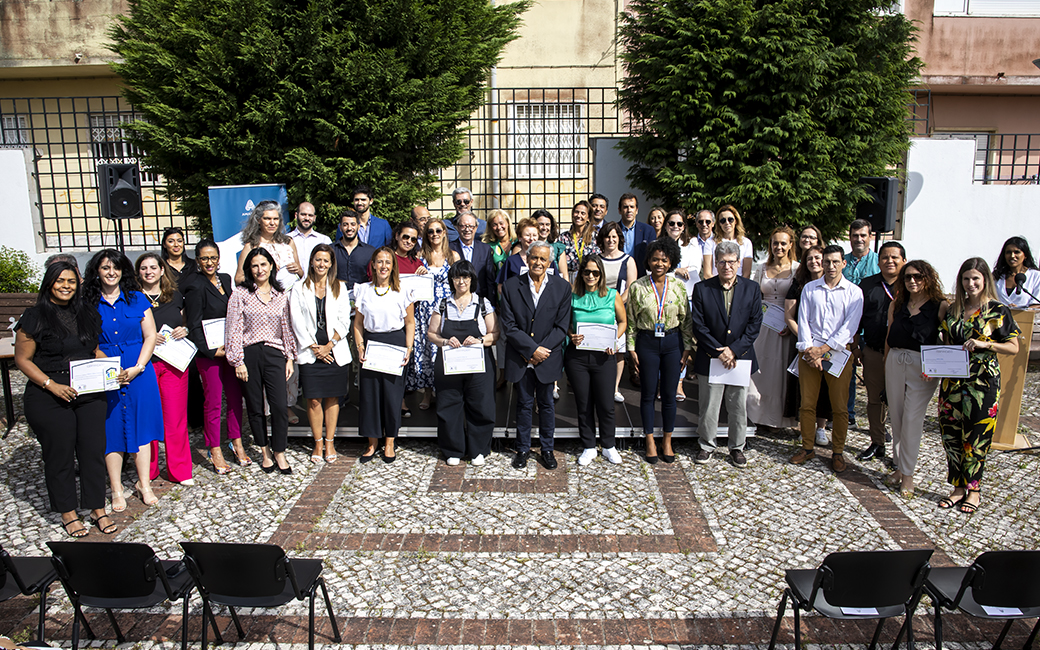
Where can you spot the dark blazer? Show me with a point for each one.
(379, 232)
(644, 232)
(526, 329)
(452, 226)
(204, 302)
(714, 328)
(482, 259)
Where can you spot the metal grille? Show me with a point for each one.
(920, 112)
(1007, 158)
(70, 136)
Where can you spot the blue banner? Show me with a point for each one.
(230, 207)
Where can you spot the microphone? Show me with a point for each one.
(1020, 279)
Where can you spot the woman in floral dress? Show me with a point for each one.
(437, 257)
(968, 407)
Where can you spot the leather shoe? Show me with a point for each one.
(520, 461)
(838, 463)
(549, 460)
(803, 456)
(872, 451)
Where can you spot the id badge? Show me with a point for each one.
(659, 330)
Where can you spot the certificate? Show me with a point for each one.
(176, 352)
(944, 361)
(214, 331)
(738, 375)
(385, 358)
(597, 336)
(465, 360)
(793, 368)
(835, 360)
(94, 375)
(773, 317)
(417, 287)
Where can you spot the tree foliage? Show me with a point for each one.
(776, 106)
(321, 95)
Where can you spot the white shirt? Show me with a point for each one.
(382, 313)
(828, 315)
(467, 251)
(693, 261)
(306, 243)
(453, 313)
(707, 246)
(536, 294)
(1021, 300)
(746, 250)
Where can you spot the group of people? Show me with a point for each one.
(305, 313)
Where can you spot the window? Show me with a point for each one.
(109, 144)
(547, 140)
(987, 8)
(15, 131)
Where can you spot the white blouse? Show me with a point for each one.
(381, 313)
(1020, 300)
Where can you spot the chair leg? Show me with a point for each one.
(205, 621)
(332, 616)
(1032, 636)
(797, 624)
(213, 622)
(938, 624)
(184, 623)
(779, 619)
(877, 634)
(310, 622)
(78, 613)
(899, 634)
(43, 612)
(1003, 633)
(910, 631)
(238, 624)
(115, 625)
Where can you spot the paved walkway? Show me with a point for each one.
(421, 554)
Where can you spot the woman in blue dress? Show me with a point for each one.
(127, 331)
(437, 257)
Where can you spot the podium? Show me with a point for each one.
(1012, 384)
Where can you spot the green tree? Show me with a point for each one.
(775, 106)
(321, 95)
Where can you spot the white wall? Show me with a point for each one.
(18, 221)
(948, 218)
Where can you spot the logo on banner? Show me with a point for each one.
(250, 205)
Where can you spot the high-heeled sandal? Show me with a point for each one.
(330, 458)
(121, 506)
(243, 460)
(316, 458)
(969, 508)
(108, 529)
(142, 494)
(82, 531)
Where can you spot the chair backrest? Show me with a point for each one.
(237, 570)
(106, 569)
(6, 566)
(873, 578)
(1006, 579)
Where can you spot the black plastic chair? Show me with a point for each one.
(117, 575)
(886, 583)
(27, 576)
(253, 575)
(1004, 579)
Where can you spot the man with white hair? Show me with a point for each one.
(462, 199)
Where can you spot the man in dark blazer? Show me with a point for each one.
(535, 312)
(635, 231)
(727, 316)
(472, 250)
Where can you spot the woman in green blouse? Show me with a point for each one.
(984, 327)
(591, 371)
(500, 237)
(660, 338)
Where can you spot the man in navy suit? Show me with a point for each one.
(472, 250)
(372, 230)
(727, 316)
(635, 232)
(535, 313)
(462, 199)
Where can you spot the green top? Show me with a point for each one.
(642, 310)
(499, 254)
(591, 308)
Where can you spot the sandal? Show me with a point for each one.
(119, 506)
(969, 508)
(243, 460)
(330, 451)
(316, 458)
(109, 529)
(948, 502)
(148, 501)
(77, 533)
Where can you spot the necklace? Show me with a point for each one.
(386, 290)
(154, 301)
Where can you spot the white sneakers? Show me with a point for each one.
(618, 397)
(587, 456)
(612, 455)
(453, 461)
(821, 437)
(478, 460)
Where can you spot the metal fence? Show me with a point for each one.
(1007, 158)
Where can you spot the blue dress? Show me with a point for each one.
(135, 410)
(420, 372)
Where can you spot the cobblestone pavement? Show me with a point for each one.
(419, 554)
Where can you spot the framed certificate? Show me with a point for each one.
(94, 375)
(944, 361)
(597, 336)
(385, 358)
(213, 328)
(465, 360)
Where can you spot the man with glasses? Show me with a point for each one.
(420, 215)
(473, 250)
(705, 222)
(305, 236)
(828, 317)
(372, 230)
(462, 199)
(727, 317)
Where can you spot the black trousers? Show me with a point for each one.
(591, 375)
(70, 431)
(379, 413)
(266, 368)
(465, 410)
(529, 390)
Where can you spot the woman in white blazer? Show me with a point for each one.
(319, 306)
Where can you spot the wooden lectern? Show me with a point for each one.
(1012, 384)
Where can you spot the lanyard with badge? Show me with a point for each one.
(659, 325)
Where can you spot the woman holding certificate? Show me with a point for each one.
(1016, 260)
(463, 323)
(320, 310)
(58, 329)
(385, 326)
(968, 406)
(595, 307)
(913, 321)
(168, 313)
(774, 347)
(128, 332)
(206, 304)
(260, 345)
(437, 257)
(660, 338)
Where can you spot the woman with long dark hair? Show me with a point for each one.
(1015, 258)
(182, 269)
(58, 329)
(128, 332)
(619, 273)
(580, 240)
(260, 345)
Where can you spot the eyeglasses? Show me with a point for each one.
(728, 220)
(913, 277)
(435, 232)
(704, 222)
(208, 259)
(676, 224)
(592, 273)
(463, 201)
(409, 238)
(467, 227)
(726, 262)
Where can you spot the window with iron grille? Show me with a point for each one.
(110, 146)
(15, 131)
(547, 140)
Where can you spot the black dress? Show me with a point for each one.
(320, 380)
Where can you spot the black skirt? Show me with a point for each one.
(319, 380)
